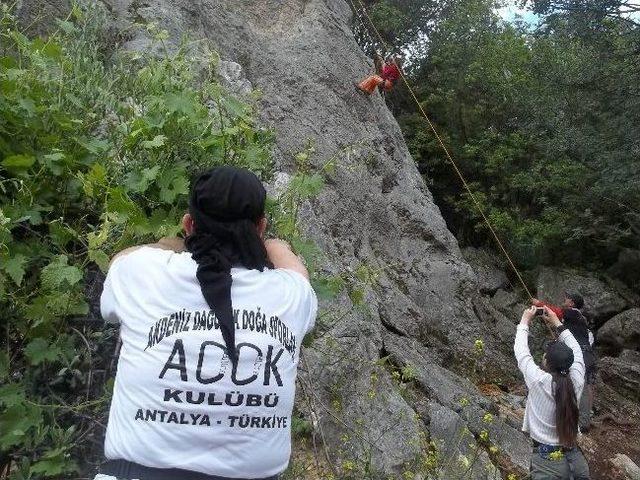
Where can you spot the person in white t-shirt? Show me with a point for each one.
(211, 338)
(551, 412)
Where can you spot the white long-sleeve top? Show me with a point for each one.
(540, 411)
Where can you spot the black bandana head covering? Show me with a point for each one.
(559, 358)
(225, 203)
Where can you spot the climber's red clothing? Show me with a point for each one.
(559, 311)
(388, 76)
(370, 83)
(390, 72)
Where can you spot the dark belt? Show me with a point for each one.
(123, 469)
(537, 444)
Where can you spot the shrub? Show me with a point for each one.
(97, 145)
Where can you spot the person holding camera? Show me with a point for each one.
(571, 316)
(551, 413)
(211, 332)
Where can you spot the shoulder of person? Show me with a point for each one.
(291, 277)
(542, 380)
(140, 255)
(293, 283)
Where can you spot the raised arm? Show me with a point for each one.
(281, 256)
(526, 364)
(166, 243)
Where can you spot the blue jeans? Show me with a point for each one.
(547, 469)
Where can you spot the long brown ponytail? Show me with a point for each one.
(567, 412)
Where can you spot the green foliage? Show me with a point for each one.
(300, 427)
(408, 373)
(542, 124)
(97, 147)
(403, 24)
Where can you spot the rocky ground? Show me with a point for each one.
(611, 446)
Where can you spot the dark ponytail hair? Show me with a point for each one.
(567, 412)
(559, 358)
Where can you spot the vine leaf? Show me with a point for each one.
(15, 422)
(173, 183)
(15, 268)
(59, 272)
(157, 141)
(139, 181)
(39, 350)
(54, 462)
(18, 162)
(11, 394)
(180, 102)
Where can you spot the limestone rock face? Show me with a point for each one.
(622, 331)
(488, 268)
(626, 465)
(623, 373)
(602, 301)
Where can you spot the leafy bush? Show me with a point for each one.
(97, 146)
(541, 122)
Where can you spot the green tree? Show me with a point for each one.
(543, 123)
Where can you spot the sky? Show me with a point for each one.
(512, 12)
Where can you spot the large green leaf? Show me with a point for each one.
(39, 350)
(11, 394)
(327, 288)
(18, 162)
(46, 308)
(101, 259)
(94, 145)
(183, 102)
(158, 141)
(53, 463)
(61, 234)
(95, 179)
(58, 273)
(139, 181)
(121, 208)
(306, 186)
(15, 267)
(173, 183)
(233, 106)
(15, 423)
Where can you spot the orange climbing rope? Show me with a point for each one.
(445, 149)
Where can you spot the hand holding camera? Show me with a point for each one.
(544, 312)
(549, 316)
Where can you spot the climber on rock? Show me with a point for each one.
(570, 313)
(551, 413)
(211, 330)
(387, 74)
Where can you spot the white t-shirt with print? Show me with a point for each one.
(177, 403)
